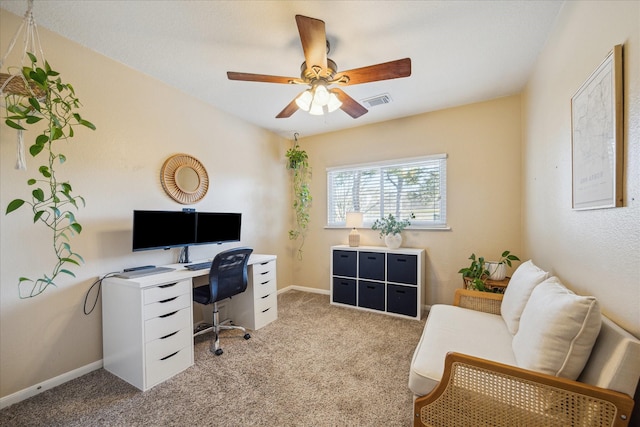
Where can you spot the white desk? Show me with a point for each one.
(147, 322)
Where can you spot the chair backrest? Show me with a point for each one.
(228, 274)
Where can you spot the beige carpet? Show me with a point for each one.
(317, 365)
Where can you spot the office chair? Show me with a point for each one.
(227, 277)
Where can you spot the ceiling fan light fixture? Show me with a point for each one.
(318, 100)
(334, 103)
(316, 110)
(303, 101)
(321, 95)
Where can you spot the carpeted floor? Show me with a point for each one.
(317, 365)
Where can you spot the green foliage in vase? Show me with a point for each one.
(477, 273)
(52, 202)
(298, 162)
(390, 225)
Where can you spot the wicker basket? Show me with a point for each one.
(14, 85)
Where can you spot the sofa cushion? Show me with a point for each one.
(614, 362)
(451, 328)
(557, 330)
(526, 277)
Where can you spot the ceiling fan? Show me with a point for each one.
(319, 72)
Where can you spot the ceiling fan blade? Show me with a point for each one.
(288, 110)
(349, 105)
(314, 41)
(373, 73)
(264, 78)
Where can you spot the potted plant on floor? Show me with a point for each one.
(391, 228)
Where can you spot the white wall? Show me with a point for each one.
(483, 188)
(597, 251)
(141, 122)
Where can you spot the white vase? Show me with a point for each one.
(393, 241)
(496, 271)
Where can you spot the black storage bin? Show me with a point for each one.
(344, 291)
(371, 295)
(402, 300)
(345, 263)
(402, 268)
(371, 265)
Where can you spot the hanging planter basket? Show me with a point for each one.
(12, 84)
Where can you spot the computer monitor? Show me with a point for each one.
(218, 227)
(163, 229)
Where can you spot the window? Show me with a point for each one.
(398, 187)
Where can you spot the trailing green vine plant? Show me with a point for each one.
(298, 162)
(51, 201)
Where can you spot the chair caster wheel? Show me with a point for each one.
(218, 352)
(247, 336)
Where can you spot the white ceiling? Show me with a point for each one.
(461, 51)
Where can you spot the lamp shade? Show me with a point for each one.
(354, 219)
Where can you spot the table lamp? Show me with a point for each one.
(354, 220)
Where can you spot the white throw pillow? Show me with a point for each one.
(557, 330)
(526, 277)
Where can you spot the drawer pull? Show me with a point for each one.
(370, 287)
(400, 292)
(344, 256)
(265, 263)
(168, 285)
(371, 258)
(266, 296)
(264, 283)
(168, 314)
(170, 335)
(167, 300)
(265, 272)
(401, 260)
(171, 355)
(266, 309)
(344, 283)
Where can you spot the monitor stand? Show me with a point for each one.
(185, 257)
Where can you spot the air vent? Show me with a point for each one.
(377, 100)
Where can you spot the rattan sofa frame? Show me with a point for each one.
(479, 392)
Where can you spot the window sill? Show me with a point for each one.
(417, 228)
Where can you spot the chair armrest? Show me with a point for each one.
(479, 392)
(479, 301)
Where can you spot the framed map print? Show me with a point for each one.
(596, 137)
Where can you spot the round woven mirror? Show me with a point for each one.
(184, 179)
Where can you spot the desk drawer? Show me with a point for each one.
(266, 313)
(164, 346)
(167, 306)
(261, 304)
(167, 324)
(263, 287)
(167, 366)
(166, 291)
(264, 267)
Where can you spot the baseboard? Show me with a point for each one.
(48, 384)
(304, 289)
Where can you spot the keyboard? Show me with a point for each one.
(198, 266)
(144, 272)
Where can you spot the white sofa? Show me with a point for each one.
(537, 355)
